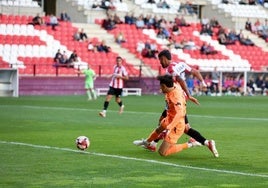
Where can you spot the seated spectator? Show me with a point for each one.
(91, 47)
(263, 30)
(64, 16)
(151, 1)
(57, 57)
(96, 4)
(119, 38)
(182, 22)
(248, 25)
(117, 19)
(206, 30)
(223, 39)
(37, 20)
(232, 35)
(73, 58)
(83, 35)
(109, 23)
(190, 45)
(149, 50)
(60, 59)
(53, 21)
(129, 19)
(140, 23)
(175, 29)
(256, 27)
(214, 22)
(102, 47)
(246, 41)
(163, 4)
(140, 46)
(207, 49)
(76, 36)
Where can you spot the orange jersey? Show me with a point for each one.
(176, 107)
(176, 111)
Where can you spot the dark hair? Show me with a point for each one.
(118, 57)
(166, 80)
(165, 53)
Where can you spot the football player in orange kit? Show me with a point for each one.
(178, 70)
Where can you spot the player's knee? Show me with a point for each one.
(162, 153)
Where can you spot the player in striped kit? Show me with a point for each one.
(116, 87)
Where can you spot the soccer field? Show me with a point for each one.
(37, 143)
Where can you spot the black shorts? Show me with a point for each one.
(115, 91)
(164, 114)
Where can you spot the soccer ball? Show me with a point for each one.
(82, 142)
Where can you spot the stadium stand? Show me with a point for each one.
(32, 48)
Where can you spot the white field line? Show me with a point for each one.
(137, 159)
(131, 112)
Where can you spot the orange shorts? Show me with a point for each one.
(176, 132)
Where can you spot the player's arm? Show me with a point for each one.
(185, 89)
(198, 75)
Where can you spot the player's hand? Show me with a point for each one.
(194, 100)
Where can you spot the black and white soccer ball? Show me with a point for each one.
(82, 142)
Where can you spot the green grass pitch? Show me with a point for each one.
(37, 143)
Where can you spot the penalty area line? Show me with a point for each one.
(136, 159)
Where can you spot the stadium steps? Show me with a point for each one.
(95, 31)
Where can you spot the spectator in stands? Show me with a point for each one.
(149, 50)
(223, 38)
(246, 41)
(109, 23)
(140, 46)
(38, 20)
(151, 1)
(175, 29)
(163, 33)
(76, 35)
(96, 4)
(91, 47)
(60, 59)
(120, 38)
(73, 58)
(129, 19)
(117, 19)
(248, 25)
(207, 49)
(187, 7)
(182, 22)
(263, 30)
(80, 35)
(83, 35)
(163, 4)
(206, 30)
(140, 23)
(232, 35)
(256, 27)
(57, 57)
(53, 21)
(102, 47)
(190, 45)
(214, 22)
(64, 16)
